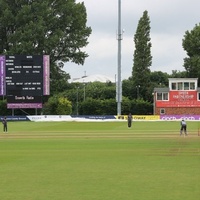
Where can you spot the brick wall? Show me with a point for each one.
(179, 111)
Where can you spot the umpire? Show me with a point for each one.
(129, 120)
(4, 122)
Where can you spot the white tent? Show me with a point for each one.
(94, 78)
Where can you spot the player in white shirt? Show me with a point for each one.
(183, 127)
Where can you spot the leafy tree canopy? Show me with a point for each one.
(142, 55)
(191, 45)
(55, 28)
(159, 78)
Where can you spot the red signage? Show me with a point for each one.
(180, 99)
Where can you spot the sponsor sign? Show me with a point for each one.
(139, 117)
(2, 76)
(146, 117)
(180, 99)
(179, 117)
(16, 118)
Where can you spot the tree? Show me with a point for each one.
(178, 74)
(3, 108)
(64, 106)
(85, 92)
(129, 89)
(57, 105)
(142, 56)
(55, 28)
(191, 45)
(59, 80)
(98, 107)
(141, 107)
(159, 79)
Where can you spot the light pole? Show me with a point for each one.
(119, 84)
(153, 94)
(77, 101)
(138, 91)
(83, 91)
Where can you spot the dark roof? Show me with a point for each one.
(161, 89)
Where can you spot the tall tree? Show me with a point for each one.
(191, 45)
(159, 79)
(142, 56)
(56, 28)
(178, 74)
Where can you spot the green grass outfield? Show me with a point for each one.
(99, 161)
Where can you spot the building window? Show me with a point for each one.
(186, 85)
(180, 86)
(198, 96)
(159, 96)
(183, 86)
(162, 111)
(163, 96)
(192, 86)
(173, 86)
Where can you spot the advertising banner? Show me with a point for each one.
(15, 118)
(179, 117)
(139, 117)
(2, 76)
(180, 99)
(86, 118)
(146, 117)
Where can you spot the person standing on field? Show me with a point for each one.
(4, 122)
(129, 120)
(183, 127)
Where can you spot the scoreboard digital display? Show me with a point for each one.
(24, 80)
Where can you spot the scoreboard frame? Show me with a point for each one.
(24, 79)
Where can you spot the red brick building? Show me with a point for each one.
(181, 97)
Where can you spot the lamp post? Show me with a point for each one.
(83, 91)
(138, 92)
(118, 84)
(84, 84)
(77, 101)
(154, 103)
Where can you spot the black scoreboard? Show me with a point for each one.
(24, 79)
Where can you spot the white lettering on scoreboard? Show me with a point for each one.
(24, 75)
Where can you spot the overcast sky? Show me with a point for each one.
(169, 20)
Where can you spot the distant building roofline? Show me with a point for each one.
(181, 79)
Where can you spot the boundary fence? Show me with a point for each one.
(100, 118)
